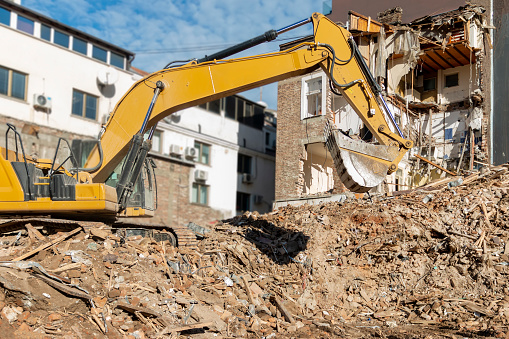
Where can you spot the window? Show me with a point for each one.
(61, 39)
(429, 84)
(451, 80)
(448, 134)
(25, 25)
(314, 97)
(243, 202)
(203, 153)
(45, 32)
(13, 83)
(5, 16)
(84, 105)
(117, 60)
(213, 106)
(156, 142)
(99, 53)
(245, 112)
(267, 138)
(230, 107)
(200, 194)
(311, 96)
(79, 45)
(244, 164)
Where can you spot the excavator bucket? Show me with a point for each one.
(360, 166)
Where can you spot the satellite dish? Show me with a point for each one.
(262, 103)
(107, 77)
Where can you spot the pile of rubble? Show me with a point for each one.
(432, 262)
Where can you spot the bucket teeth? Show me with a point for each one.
(356, 161)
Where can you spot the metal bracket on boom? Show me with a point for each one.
(138, 151)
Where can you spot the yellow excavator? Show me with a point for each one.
(112, 177)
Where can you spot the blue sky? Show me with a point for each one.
(160, 31)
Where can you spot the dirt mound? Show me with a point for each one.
(430, 263)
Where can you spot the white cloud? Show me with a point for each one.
(160, 31)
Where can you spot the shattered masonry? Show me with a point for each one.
(431, 263)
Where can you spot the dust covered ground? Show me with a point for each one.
(431, 263)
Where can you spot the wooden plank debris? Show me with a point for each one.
(49, 244)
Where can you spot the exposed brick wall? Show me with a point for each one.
(289, 150)
(292, 136)
(174, 201)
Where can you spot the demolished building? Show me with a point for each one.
(433, 74)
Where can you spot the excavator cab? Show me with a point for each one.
(142, 201)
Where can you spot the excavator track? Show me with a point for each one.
(184, 237)
(356, 161)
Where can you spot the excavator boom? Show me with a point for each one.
(209, 79)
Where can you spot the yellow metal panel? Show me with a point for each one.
(10, 188)
(96, 192)
(136, 212)
(90, 192)
(45, 205)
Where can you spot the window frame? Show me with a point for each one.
(84, 105)
(199, 145)
(199, 186)
(10, 84)
(8, 16)
(434, 84)
(114, 55)
(57, 34)
(74, 39)
(157, 134)
(41, 32)
(247, 197)
(244, 166)
(95, 50)
(305, 94)
(457, 82)
(206, 106)
(25, 20)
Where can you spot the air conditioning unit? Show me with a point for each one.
(258, 199)
(176, 150)
(247, 178)
(201, 175)
(191, 152)
(42, 101)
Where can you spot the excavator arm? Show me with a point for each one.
(173, 89)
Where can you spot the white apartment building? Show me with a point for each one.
(231, 141)
(56, 81)
(55, 76)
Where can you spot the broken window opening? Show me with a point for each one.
(244, 164)
(312, 98)
(452, 80)
(243, 202)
